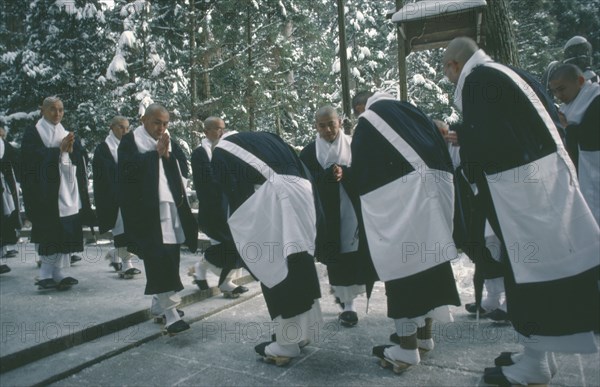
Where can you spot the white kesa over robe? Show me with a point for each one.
(559, 231)
(278, 220)
(410, 218)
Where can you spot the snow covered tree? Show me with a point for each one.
(500, 40)
(577, 17)
(535, 28)
(64, 55)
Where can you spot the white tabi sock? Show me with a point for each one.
(172, 316)
(552, 363)
(155, 308)
(200, 269)
(112, 256)
(349, 306)
(57, 274)
(532, 368)
(515, 357)
(495, 294)
(286, 350)
(124, 256)
(227, 286)
(396, 352)
(426, 344)
(46, 270)
(127, 264)
(162, 302)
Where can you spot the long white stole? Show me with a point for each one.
(113, 145)
(69, 201)
(172, 229)
(339, 152)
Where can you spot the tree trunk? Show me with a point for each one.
(344, 64)
(206, 92)
(250, 82)
(401, 58)
(499, 35)
(193, 91)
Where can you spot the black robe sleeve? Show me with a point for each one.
(105, 187)
(212, 204)
(586, 134)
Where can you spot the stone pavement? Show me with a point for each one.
(101, 333)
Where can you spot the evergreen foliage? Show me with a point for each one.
(263, 65)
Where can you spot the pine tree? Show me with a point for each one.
(64, 55)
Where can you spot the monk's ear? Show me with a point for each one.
(580, 80)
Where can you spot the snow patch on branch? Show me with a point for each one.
(127, 39)
(118, 65)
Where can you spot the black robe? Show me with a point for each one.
(40, 186)
(375, 163)
(9, 168)
(106, 195)
(212, 215)
(298, 291)
(139, 201)
(502, 131)
(344, 269)
(585, 135)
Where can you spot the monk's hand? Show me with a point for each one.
(162, 147)
(337, 173)
(66, 145)
(452, 138)
(563, 119)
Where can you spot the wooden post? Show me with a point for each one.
(344, 63)
(193, 90)
(401, 58)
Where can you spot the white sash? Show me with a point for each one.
(8, 202)
(575, 110)
(278, 220)
(548, 228)
(408, 222)
(113, 145)
(69, 201)
(171, 227)
(339, 152)
(589, 180)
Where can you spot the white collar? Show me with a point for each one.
(51, 134)
(336, 152)
(144, 141)
(575, 110)
(477, 59)
(113, 145)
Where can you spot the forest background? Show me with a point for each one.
(262, 65)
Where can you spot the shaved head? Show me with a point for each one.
(328, 123)
(212, 122)
(155, 108)
(49, 101)
(458, 52)
(117, 120)
(326, 111)
(460, 49)
(119, 126)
